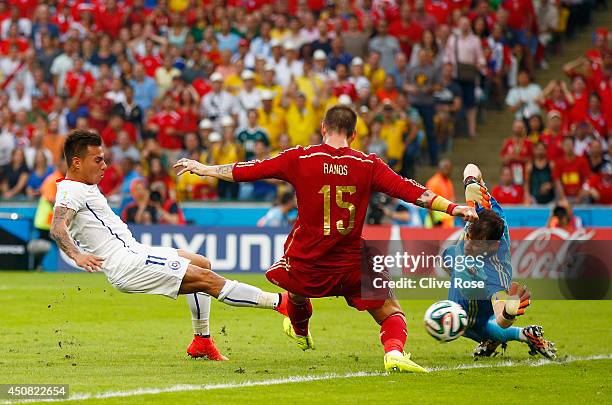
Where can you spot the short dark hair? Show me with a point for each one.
(489, 226)
(77, 142)
(342, 119)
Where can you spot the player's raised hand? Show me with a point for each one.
(188, 165)
(466, 212)
(89, 263)
(477, 193)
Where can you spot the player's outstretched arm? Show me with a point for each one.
(62, 217)
(221, 172)
(434, 202)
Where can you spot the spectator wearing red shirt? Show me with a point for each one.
(579, 109)
(189, 110)
(570, 172)
(343, 84)
(79, 82)
(115, 125)
(517, 151)
(552, 136)
(600, 40)
(13, 39)
(99, 107)
(506, 192)
(599, 186)
(110, 18)
(166, 123)
(556, 96)
(113, 177)
(151, 59)
(587, 69)
(405, 29)
(596, 118)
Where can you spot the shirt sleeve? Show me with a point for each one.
(394, 185)
(279, 167)
(70, 195)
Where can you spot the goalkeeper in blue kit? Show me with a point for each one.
(493, 309)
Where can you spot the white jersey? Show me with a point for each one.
(95, 228)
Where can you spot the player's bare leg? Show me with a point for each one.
(299, 311)
(230, 292)
(393, 335)
(202, 345)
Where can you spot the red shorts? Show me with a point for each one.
(300, 280)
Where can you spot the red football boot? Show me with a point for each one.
(204, 347)
(282, 308)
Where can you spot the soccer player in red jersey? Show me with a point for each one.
(323, 252)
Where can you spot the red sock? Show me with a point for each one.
(299, 315)
(393, 332)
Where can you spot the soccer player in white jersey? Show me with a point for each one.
(91, 234)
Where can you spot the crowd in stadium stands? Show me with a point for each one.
(221, 81)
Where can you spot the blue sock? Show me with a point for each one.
(495, 332)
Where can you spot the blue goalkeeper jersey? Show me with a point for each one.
(495, 271)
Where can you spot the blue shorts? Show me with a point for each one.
(479, 313)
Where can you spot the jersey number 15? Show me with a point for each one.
(340, 190)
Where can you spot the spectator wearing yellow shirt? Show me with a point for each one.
(268, 83)
(301, 120)
(374, 73)
(234, 82)
(226, 152)
(392, 132)
(271, 118)
(327, 98)
(280, 32)
(309, 83)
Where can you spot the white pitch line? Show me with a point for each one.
(307, 378)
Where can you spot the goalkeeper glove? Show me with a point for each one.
(518, 299)
(477, 193)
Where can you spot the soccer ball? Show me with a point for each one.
(445, 320)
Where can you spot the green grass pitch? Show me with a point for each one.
(76, 329)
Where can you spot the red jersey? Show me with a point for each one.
(166, 120)
(75, 79)
(150, 63)
(520, 13)
(603, 184)
(523, 151)
(512, 194)
(572, 174)
(333, 188)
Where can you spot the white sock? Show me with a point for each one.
(199, 305)
(239, 294)
(522, 336)
(395, 353)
